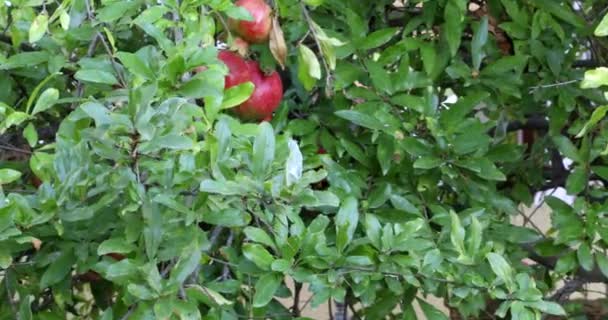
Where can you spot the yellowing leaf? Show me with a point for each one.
(595, 78)
(38, 27)
(602, 28)
(277, 45)
(309, 69)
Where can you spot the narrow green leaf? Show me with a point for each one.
(236, 95)
(347, 220)
(309, 69)
(263, 150)
(58, 269)
(30, 134)
(227, 218)
(135, 64)
(378, 38)
(265, 289)
(566, 147)
(187, 263)
(598, 114)
(427, 163)
(294, 163)
(549, 307)
(259, 235)
(457, 233)
(9, 175)
(258, 255)
(479, 41)
(38, 27)
(46, 100)
(595, 78)
(431, 312)
(95, 76)
(602, 263)
(361, 119)
(501, 268)
(115, 245)
(602, 27)
(585, 257)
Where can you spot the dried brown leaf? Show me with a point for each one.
(277, 45)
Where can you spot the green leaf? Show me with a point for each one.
(309, 69)
(96, 76)
(549, 307)
(46, 100)
(475, 237)
(259, 235)
(258, 255)
(602, 27)
(427, 163)
(380, 78)
(227, 188)
(236, 95)
(347, 220)
(566, 147)
(9, 175)
(175, 142)
(265, 289)
(239, 13)
(25, 309)
(153, 229)
(501, 268)
(431, 312)
(479, 41)
(30, 134)
(115, 10)
(98, 112)
(64, 19)
(14, 119)
(140, 291)
(227, 218)
(135, 64)
(263, 150)
(457, 233)
(595, 78)
(602, 263)
(360, 119)
(585, 257)
(577, 180)
(24, 59)
(280, 265)
(378, 38)
(58, 269)
(489, 171)
(454, 18)
(598, 114)
(115, 245)
(38, 27)
(187, 263)
(293, 164)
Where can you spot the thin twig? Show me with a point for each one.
(122, 81)
(330, 309)
(552, 85)
(10, 148)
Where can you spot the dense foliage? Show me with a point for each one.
(130, 190)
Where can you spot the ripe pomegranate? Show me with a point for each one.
(238, 72)
(255, 31)
(266, 96)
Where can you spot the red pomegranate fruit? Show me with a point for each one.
(255, 31)
(266, 96)
(238, 72)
